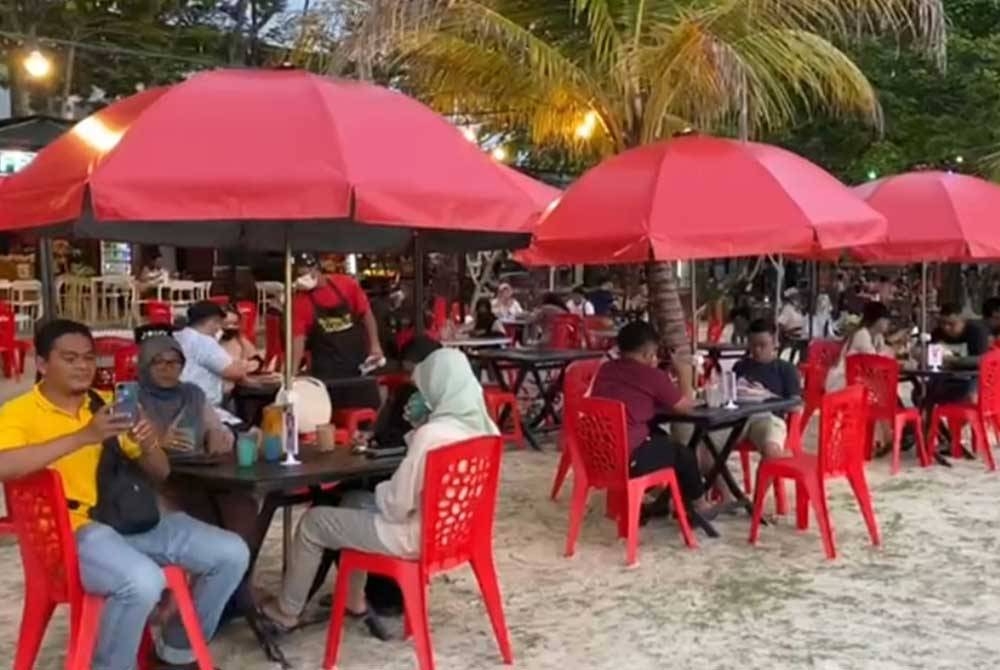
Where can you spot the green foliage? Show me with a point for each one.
(934, 118)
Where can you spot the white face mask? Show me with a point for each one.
(218, 335)
(306, 282)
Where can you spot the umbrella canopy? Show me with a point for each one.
(261, 157)
(939, 216)
(696, 197)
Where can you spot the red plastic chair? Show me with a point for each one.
(220, 300)
(843, 427)
(458, 508)
(274, 350)
(579, 377)
(107, 349)
(821, 356)
(793, 444)
(349, 420)
(392, 381)
(37, 505)
(13, 351)
(127, 364)
(439, 310)
(497, 400)
(979, 415)
(566, 332)
(159, 312)
(599, 449)
(879, 375)
(248, 319)
(715, 328)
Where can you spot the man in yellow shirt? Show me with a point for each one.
(53, 426)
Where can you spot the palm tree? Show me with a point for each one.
(600, 76)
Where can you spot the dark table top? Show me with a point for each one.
(263, 478)
(720, 417)
(536, 356)
(943, 373)
(723, 347)
(269, 390)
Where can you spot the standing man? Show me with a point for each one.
(332, 321)
(59, 424)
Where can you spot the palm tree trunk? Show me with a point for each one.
(668, 317)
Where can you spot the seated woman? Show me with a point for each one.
(485, 323)
(635, 380)
(178, 411)
(186, 422)
(868, 338)
(237, 345)
(540, 327)
(387, 522)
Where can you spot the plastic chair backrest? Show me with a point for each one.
(843, 427)
(272, 337)
(248, 319)
(600, 439)
(459, 502)
(566, 331)
(8, 325)
(37, 506)
(879, 375)
(159, 312)
(440, 312)
(989, 384)
(824, 353)
(109, 346)
(579, 376)
(127, 364)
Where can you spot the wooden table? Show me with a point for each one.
(707, 419)
(533, 362)
(281, 486)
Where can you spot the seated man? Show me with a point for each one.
(58, 425)
(646, 391)
(763, 369)
(965, 338)
(207, 365)
(991, 317)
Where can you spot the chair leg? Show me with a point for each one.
(35, 618)
(925, 455)
(682, 517)
(898, 424)
(764, 479)
(955, 428)
(817, 494)
(801, 506)
(860, 487)
(578, 505)
(415, 605)
(932, 433)
(336, 628)
(780, 498)
(633, 499)
(177, 583)
(486, 574)
(84, 639)
(561, 472)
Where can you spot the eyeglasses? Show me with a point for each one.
(167, 362)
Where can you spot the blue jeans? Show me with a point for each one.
(126, 569)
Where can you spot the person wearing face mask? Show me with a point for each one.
(333, 321)
(236, 343)
(207, 364)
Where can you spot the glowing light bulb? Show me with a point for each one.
(37, 64)
(959, 159)
(586, 129)
(470, 134)
(872, 175)
(500, 153)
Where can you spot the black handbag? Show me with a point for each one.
(126, 500)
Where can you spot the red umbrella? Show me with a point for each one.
(940, 216)
(702, 197)
(230, 154)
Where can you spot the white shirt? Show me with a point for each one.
(585, 308)
(790, 318)
(205, 359)
(509, 311)
(398, 500)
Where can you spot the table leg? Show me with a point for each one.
(286, 537)
(720, 458)
(548, 394)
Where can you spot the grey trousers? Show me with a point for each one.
(349, 526)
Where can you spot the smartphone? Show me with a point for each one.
(126, 401)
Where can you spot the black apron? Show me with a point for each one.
(336, 341)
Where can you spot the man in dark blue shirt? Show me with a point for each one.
(763, 370)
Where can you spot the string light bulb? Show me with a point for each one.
(585, 130)
(959, 159)
(37, 64)
(499, 153)
(470, 134)
(872, 174)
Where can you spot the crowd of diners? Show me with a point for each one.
(184, 381)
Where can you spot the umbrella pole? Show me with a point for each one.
(923, 311)
(45, 273)
(694, 318)
(291, 430)
(813, 293)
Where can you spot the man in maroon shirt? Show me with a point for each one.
(645, 390)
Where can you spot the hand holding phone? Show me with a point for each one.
(126, 401)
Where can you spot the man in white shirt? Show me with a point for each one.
(578, 303)
(206, 364)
